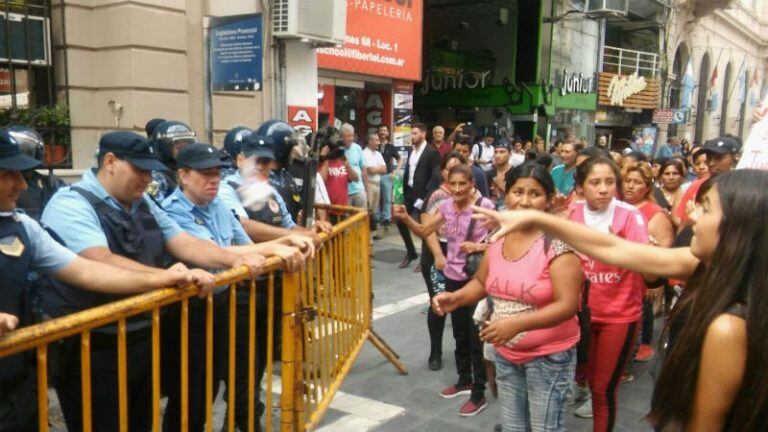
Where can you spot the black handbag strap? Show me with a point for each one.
(471, 226)
(585, 295)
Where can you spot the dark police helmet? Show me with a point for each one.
(233, 141)
(172, 134)
(285, 140)
(30, 142)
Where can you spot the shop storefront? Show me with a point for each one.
(368, 81)
(519, 75)
(626, 106)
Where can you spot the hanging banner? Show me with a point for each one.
(755, 154)
(383, 39)
(236, 53)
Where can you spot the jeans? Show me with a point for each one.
(385, 215)
(533, 394)
(359, 200)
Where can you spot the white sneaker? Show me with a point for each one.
(585, 410)
(578, 394)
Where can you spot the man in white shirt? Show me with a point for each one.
(482, 152)
(375, 167)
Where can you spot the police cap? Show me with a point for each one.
(259, 146)
(11, 157)
(132, 147)
(200, 156)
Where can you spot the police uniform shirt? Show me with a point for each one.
(231, 199)
(48, 256)
(214, 222)
(75, 220)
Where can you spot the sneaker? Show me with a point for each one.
(627, 377)
(579, 394)
(472, 407)
(644, 353)
(585, 410)
(456, 390)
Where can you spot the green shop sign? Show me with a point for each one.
(516, 99)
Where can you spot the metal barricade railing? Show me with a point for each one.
(325, 321)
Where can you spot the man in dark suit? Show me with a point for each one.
(423, 161)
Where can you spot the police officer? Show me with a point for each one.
(260, 227)
(195, 207)
(26, 247)
(40, 187)
(168, 138)
(233, 144)
(107, 217)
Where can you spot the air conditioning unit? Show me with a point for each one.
(607, 7)
(315, 21)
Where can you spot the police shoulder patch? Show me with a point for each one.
(11, 246)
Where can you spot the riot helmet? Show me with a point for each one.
(169, 137)
(233, 141)
(152, 125)
(289, 147)
(30, 142)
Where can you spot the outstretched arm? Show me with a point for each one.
(423, 230)
(674, 263)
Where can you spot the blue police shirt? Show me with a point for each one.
(48, 256)
(73, 218)
(214, 222)
(356, 159)
(231, 199)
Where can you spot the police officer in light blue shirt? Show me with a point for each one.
(26, 247)
(196, 207)
(108, 217)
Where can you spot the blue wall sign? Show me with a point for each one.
(236, 53)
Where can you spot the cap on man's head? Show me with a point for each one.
(132, 147)
(258, 146)
(200, 156)
(721, 145)
(11, 156)
(502, 143)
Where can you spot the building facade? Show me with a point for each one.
(716, 62)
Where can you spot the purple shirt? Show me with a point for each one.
(455, 230)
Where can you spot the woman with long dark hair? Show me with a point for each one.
(464, 238)
(713, 377)
(533, 282)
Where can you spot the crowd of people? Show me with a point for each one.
(553, 265)
(555, 283)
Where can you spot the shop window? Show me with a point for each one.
(27, 81)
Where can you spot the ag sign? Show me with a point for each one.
(668, 116)
(236, 53)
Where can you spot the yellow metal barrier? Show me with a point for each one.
(326, 319)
